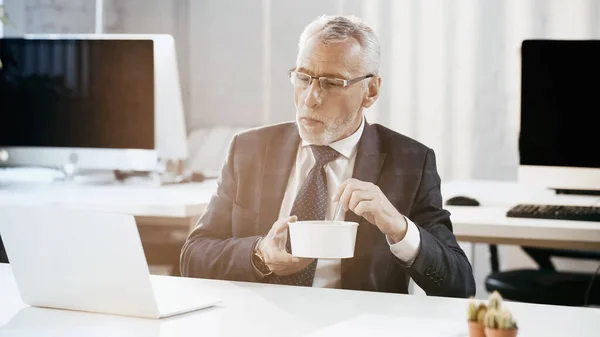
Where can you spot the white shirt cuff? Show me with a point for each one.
(408, 248)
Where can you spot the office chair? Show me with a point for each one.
(546, 285)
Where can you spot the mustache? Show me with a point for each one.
(310, 115)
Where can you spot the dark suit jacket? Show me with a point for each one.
(250, 192)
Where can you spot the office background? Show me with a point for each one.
(450, 68)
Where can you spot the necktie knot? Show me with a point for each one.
(323, 154)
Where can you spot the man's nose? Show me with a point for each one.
(314, 96)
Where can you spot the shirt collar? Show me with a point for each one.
(347, 146)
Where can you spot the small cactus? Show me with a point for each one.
(490, 319)
(506, 320)
(482, 310)
(499, 319)
(472, 310)
(475, 312)
(495, 301)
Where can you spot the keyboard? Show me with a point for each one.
(577, 213)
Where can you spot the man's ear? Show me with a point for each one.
(372, 92)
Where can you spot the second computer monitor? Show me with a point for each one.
(95, 101)
(559, 141)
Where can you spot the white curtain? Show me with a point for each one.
(451, 69)
(452, 73)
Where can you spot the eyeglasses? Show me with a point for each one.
(302, 80)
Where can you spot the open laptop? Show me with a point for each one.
(90, 261)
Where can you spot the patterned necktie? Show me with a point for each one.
(310, 204)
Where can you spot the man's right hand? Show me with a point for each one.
(272, 248)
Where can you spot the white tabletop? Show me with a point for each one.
(139, 199)
(505, 194)
(488, 221)
(250, 309)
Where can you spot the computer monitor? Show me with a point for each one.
(559, 141)
(100, 102)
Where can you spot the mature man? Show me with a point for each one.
(384, 180)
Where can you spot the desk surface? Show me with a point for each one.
(250, 309)
(492, 193)
(488, 222)
(485, 223)
(139, 199)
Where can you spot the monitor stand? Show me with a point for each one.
(168, 172)
(72, 175)
(153, 178)
(578, 192)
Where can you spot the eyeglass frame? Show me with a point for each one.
(318, 78)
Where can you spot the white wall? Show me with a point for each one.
(226, 62)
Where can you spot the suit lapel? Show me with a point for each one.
(279, 159)
(367, 167)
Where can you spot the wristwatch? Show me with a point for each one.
(258, 260)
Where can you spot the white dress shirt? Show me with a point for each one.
(328, 273)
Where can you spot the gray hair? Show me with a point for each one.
(335, 29)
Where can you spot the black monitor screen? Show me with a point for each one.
(77, 93)
(560, 103)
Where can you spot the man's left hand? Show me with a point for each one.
(366, 200)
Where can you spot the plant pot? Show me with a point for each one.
(501, 332)
(476, 329)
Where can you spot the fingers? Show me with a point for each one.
(363, 207)
(276, 257)
(280, 225)
(284, 224)
(338, 193)
(289, 269)
(358, 196)
(283, 270)
(348, 187)
(274, 248)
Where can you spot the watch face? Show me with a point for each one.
(260, 264)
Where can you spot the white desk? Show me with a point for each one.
(176, 206)
(165, 214)
(488, 223)
(179, 206)
(269, 310)
(140, 199)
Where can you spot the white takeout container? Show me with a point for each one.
(323, 239)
